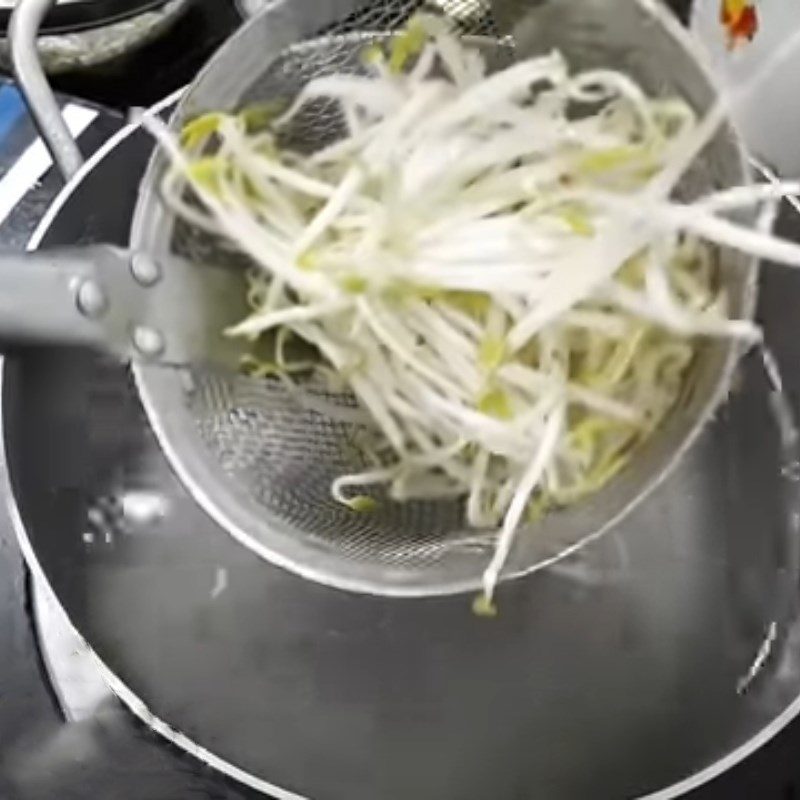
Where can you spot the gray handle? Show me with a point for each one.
(123, 303)
(82, 295)
(23, 33)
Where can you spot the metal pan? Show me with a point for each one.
(650, 662)
(79, 15)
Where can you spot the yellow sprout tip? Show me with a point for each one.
(362, 504)
(495, 403)
(483, 606)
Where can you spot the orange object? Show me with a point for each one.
(740, 20)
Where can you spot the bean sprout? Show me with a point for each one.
(492, 264)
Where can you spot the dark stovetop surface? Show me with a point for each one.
(147, 75)
(109, 754)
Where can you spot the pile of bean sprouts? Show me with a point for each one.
(493, 264)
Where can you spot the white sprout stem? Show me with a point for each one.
(360, 479)
(333, 208)
(746, 196)
(259, 323)
(519, 503)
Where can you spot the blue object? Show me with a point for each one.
(12, 108)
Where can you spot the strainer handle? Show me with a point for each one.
(24, 26)
(64, 297)
(123, 303)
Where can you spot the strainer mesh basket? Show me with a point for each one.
(261, 463)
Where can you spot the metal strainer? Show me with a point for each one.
(261, 464)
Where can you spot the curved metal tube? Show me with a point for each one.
(23, 31)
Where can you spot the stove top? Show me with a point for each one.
(63, 734)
